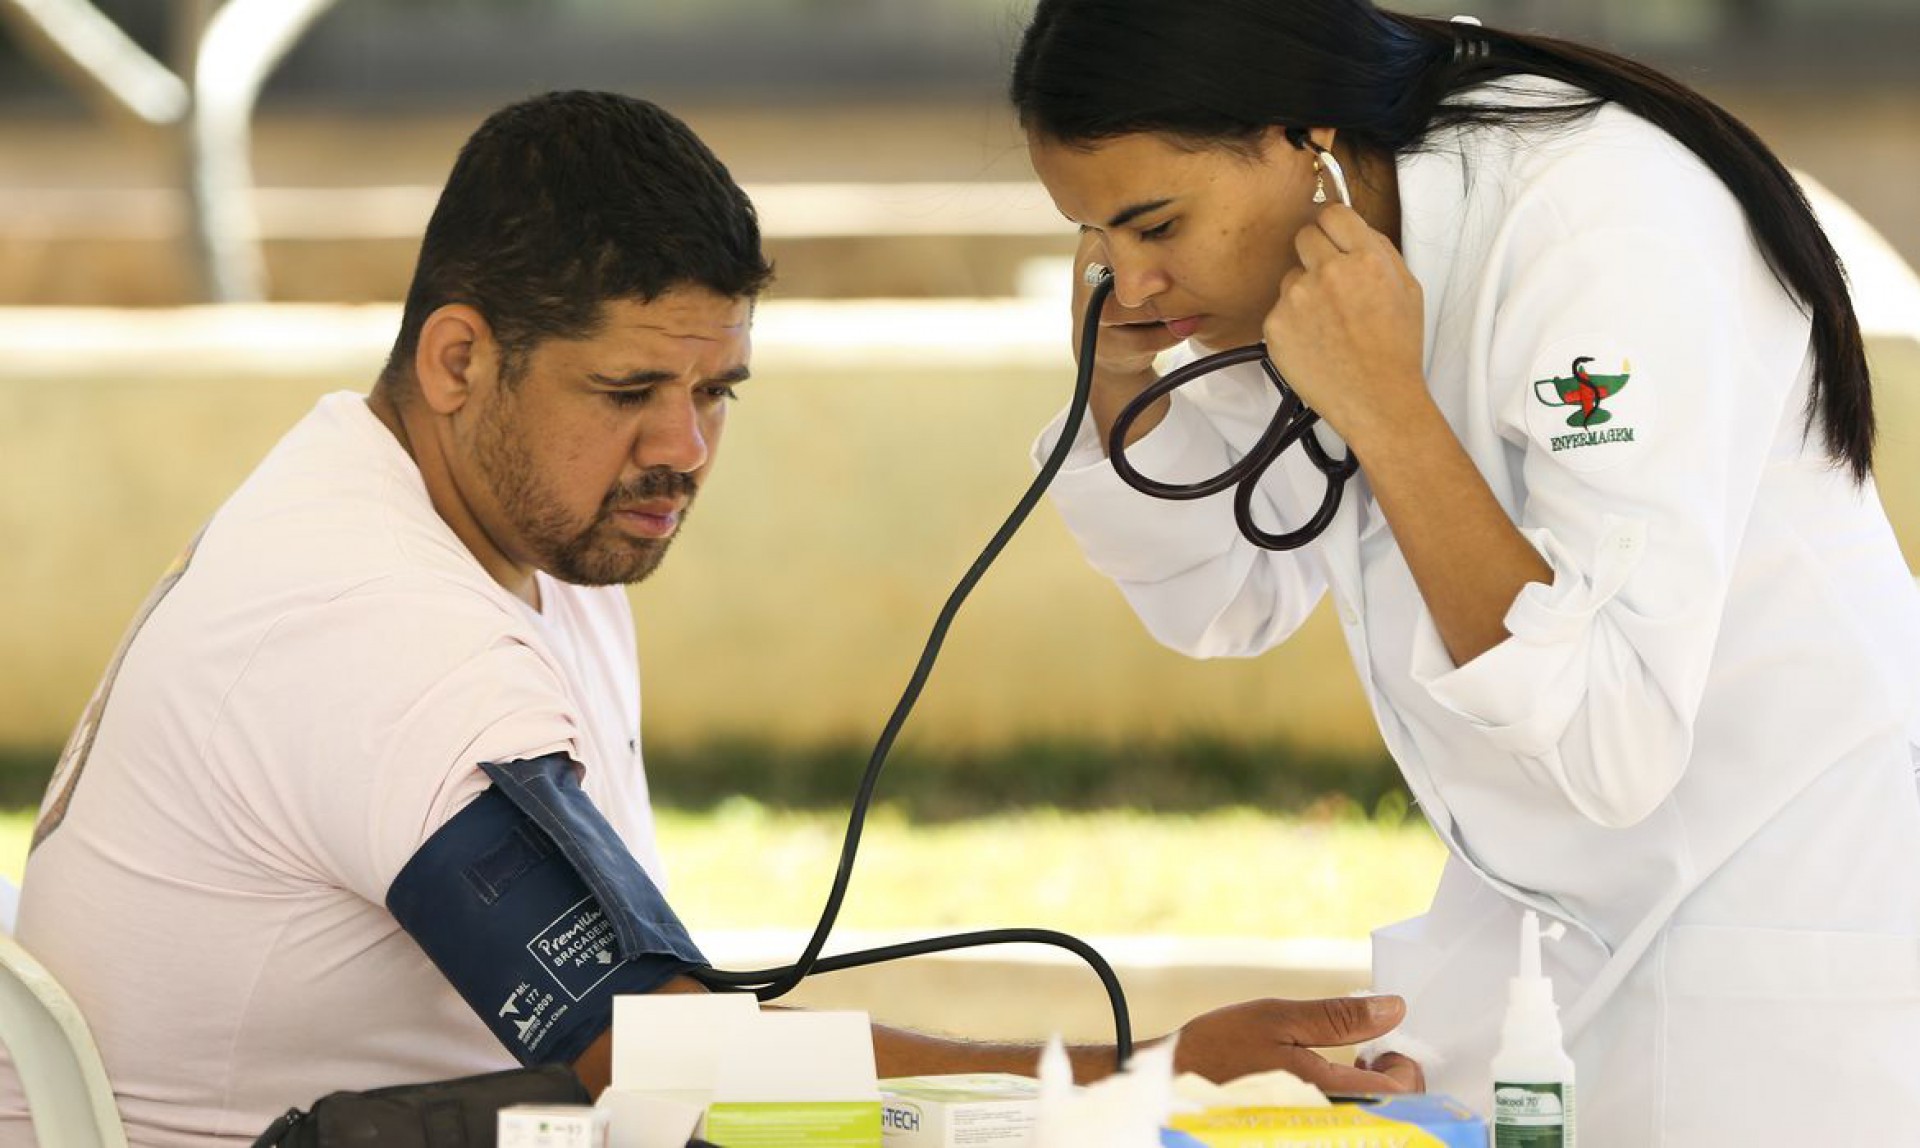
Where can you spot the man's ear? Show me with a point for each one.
(456, 353)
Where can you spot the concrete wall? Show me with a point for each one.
(875, 451)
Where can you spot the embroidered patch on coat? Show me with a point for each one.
(1586, 408)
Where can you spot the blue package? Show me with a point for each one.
(1448, 1120)
(1438, 1118)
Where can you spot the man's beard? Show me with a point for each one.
(600, 554)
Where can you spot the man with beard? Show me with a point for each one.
(360, 801)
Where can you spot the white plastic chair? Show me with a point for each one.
(53, 1053)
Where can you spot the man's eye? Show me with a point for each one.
(722, 391)
(631, 397)
(1158, 230)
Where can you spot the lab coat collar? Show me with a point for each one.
(1433, 199)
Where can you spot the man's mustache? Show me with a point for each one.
(661, 482)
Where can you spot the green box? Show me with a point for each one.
(796, 1124)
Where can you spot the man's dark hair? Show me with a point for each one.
(562, 202)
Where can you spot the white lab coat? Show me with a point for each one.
(1697, 745)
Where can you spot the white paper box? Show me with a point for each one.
(679, 1059)
(970, 1110)
(552, 1126)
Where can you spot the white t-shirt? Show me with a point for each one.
(295, 712)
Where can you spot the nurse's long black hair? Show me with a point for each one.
(1221, 71)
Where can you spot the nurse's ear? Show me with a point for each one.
(1317, 143)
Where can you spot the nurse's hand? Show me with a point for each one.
(1129, 340)
(1257, 1036)
(1348, 327)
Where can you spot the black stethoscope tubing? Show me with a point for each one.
(1292, 422)
(769, 984)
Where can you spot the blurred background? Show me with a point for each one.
(208, 212)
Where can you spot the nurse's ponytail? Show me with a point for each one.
(1777, 211)
(1224, 70)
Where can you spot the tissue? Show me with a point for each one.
(1277, 1088)
(1125, 1110)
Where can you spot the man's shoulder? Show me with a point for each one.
(336, 520)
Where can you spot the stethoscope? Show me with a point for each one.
(1291, 424)
(1292, 421)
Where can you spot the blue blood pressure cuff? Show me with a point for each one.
(537, 913)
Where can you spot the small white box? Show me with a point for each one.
(963, 1110)
(552, 1126)
(717, 1066)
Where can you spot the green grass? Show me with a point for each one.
(1233, 872)
(937, 783)
(1190, 835)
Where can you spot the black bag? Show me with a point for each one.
(461, 1113)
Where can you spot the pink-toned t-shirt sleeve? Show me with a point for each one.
(398, 695)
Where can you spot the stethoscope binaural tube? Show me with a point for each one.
(1292, 422)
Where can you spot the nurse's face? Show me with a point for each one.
(1198, 237)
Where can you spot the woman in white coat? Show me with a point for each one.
(1613, 571)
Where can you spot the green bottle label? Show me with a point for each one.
(1532, 1115)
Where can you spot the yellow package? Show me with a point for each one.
(1414, 1121)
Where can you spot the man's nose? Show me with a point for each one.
(674, 436)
